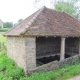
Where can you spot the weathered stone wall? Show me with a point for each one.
(22, 51)
(69, 60)
(54, 65)
(47, 46)
(30, 52)
(50, 46)
(72, 46)
(16, 50)
(46, 67)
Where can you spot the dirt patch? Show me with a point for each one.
(75, 78)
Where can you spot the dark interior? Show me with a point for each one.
(47, 46)
(72, 46)
(48, 49)
(45, 60)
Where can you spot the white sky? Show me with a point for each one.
(13, 10)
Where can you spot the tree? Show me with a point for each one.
(20, 20)
(68, 6)
(8, 24)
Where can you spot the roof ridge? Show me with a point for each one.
(32, 20)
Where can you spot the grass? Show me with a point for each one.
(59, 74)
(4, 29)
(10, 71)
(2, 38)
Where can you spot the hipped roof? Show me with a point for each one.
(47, 22)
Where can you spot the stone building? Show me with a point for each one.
(1, 23)
(45, 33)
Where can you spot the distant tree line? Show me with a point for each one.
(10, 24)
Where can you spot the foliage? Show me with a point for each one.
(2, 39)
(10, 71)
(68, 7)
(20, 20)
(8, 24)
(0, 27)
(4, 29)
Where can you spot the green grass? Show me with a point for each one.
(4, 29)
(59, 74)
(2, 38)
(10, 71)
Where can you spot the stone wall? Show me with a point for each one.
(50, 46)
(30, 52)
(22, 51)
(16, 50)
(72, 46)
(54, 65)
(46, 67)
(47, 46)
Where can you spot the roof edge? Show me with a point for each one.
(32, 20)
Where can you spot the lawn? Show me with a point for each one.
(2, 39)
(2, 31)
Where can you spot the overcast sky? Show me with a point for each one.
(13, 10)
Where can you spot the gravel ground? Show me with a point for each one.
(75, 78)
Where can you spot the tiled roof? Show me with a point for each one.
(47, 22)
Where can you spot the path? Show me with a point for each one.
(75, 78)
